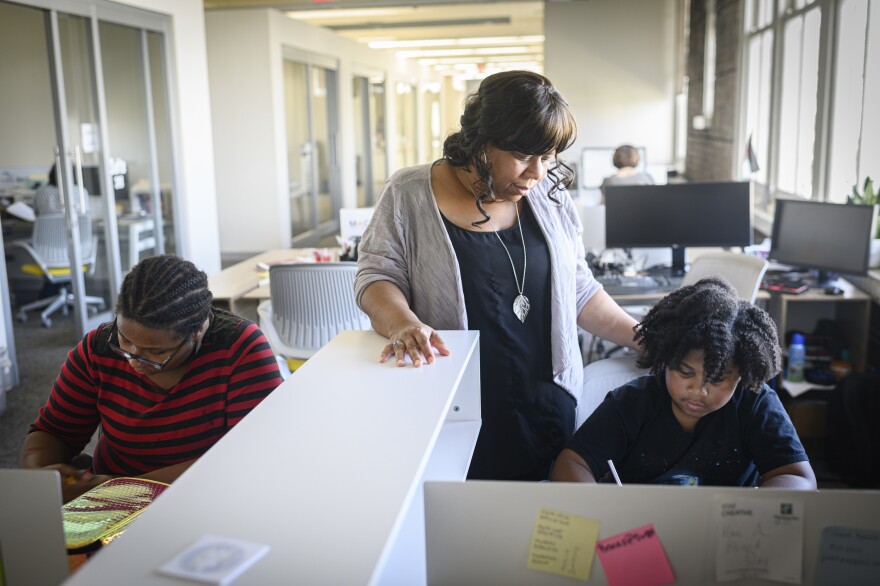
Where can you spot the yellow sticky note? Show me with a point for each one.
(563, 544)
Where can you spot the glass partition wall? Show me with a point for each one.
(312, 159)
(406, 101)
(368, 99)
(88, 90)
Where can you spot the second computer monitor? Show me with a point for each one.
(678, 215)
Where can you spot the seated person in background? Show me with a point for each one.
(47, 199)
(626, 159)
(704, 415)
(164, 381)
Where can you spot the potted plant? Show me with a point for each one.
(869, 196)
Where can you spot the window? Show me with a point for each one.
(797, 112)
(807, 84)
(853, 148)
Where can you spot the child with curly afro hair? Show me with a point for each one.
(704, 415)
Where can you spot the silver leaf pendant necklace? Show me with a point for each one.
(521, 304)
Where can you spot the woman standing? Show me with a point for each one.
(487, 239)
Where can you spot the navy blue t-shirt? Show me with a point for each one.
(635, 428)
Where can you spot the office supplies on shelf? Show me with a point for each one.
(783, 284)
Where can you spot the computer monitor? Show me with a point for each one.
(596, 165)
(828, 237)
(678, 215)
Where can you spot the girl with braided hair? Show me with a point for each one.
(704, 415)
(165, 380)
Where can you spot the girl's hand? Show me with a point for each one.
(416, 340)
(75, 482)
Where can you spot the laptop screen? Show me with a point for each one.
(32, 546)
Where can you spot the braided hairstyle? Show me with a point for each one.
(513, 111)
(709, 316)
(166, 293)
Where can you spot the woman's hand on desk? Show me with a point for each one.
(416, 340)
(391, 316)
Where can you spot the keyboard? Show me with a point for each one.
(638, 284)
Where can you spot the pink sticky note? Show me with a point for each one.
(635, 558)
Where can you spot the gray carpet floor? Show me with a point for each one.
(41, 352)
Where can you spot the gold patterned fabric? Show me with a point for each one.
(98, 516)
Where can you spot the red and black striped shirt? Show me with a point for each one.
(144, 427)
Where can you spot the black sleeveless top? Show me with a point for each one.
(527, 418)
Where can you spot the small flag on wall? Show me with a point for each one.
(751, 156)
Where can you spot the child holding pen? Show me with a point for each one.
(704, 415)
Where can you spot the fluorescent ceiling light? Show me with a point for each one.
(332, 13)
(495, 59)
(464, 52)
(389, 44)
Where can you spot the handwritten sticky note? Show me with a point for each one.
(759, 538)
(848, 556)
(563, 544)
(635, 558)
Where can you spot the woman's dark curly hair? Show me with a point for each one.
(166, 293)
(516, 111)
(709, 316)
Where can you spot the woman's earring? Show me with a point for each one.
(485, 159)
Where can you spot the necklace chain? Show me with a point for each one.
(521, 303)
(519, 287)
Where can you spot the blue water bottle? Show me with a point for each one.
(796, 355)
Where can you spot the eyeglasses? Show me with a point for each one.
(157, 366)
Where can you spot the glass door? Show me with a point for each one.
(80, 169)
(368, 96)
(363, 166)
(131, 128)
(85, 88)
(379, 146)
(405, 105)
(313, 167)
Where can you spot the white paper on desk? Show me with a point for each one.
(759, 538)
(214, 560)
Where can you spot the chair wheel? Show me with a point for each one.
(47, 323)
(22, 317)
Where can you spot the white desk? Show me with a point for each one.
(479, 532)
(327, 471)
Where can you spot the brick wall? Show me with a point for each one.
(710, 155)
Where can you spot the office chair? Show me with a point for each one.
(48, 248)
(743, 271)
(309, 304)
(602, 376)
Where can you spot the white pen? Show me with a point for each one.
(614, 472)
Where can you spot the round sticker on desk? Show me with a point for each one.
(214, 557)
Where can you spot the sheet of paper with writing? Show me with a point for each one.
(848, 556)
(563, 544)
(759, 538)
(635, 558)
